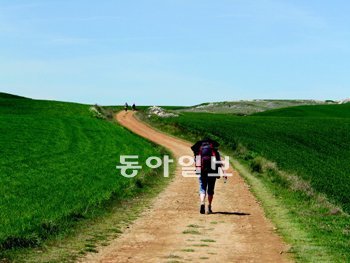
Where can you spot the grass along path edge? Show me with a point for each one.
(108, 223)
(289, 229)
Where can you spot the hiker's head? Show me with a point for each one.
(214, 143)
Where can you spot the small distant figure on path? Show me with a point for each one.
(126, 107)
(134, 107)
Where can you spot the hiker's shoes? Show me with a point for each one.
(202, 209)
(209, 209)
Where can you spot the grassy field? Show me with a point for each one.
(310, 146)
(57, 164)
(316, 111)
(316, 148)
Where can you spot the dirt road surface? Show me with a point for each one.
(173, 230)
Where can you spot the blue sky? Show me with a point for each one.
(174, 52)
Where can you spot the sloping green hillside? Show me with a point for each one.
(4, 95)
(56, 163)
(316, 148)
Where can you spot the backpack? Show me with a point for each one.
(206, 152)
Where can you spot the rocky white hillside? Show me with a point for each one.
(245, 107)
(160, 112)
(344, 101)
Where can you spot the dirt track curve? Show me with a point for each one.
(237, 232)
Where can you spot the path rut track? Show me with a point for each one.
(172, 230)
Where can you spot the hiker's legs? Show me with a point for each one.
(202, 198)
(206, 187)
(203, 183)
(211, 186)
(210, 199)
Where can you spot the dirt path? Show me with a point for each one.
(172, 230)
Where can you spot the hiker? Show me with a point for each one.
(126, 107)
(134, 107)
(205, 151)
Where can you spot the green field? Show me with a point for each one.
(57, 163)
(307, 111)
(308, 142)
(316, 146)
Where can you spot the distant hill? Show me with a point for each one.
(246, 107)
(4, 95)
(345, 101)
(337, 111)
